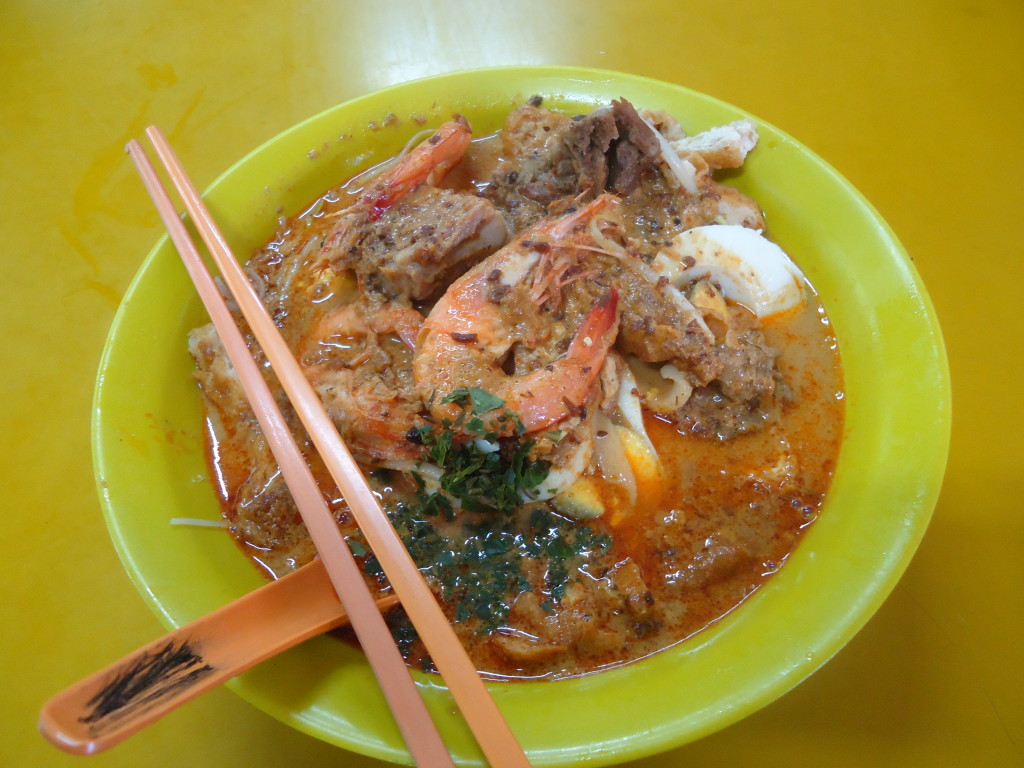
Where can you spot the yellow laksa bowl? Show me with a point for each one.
(150, 466)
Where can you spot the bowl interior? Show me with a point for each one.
(150, 466)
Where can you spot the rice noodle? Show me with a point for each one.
(428, 474)
(313, 212)
(611, 456)
(226, 294)
(284, 281)
(598, 236)
(256, 280)
(629, 407)
(665, 388)
(683, 170)
(197, 522)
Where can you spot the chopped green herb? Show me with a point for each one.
(371, 566)
(482, 401)
(439, 445)
(481, 478)
(402, 631)
(481, 570)
(357, 547)
(482, 567)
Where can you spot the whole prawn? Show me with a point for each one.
(468, 335)
(358, 359)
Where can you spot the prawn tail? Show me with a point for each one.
(597, 333)
(437, 155)
(561, 390)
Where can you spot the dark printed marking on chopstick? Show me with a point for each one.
(144, 681)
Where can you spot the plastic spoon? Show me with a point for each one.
(112, 704)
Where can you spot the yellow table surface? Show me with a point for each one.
(919, 103)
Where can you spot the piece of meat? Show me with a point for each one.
(550, 159)
(636, 148)
(537, 169)
(588, 141)
(654, 326)
(534, 634)
(260, 511)
(748, 367)
(746, 393)
(610, 148)
(597, 615)
(421, 243)
(628, 582)
(709, 413)
(715, 562)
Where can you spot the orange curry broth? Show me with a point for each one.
(717, 521)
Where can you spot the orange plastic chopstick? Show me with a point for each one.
(467, 688)
(418, 730)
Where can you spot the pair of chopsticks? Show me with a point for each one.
(485, 720)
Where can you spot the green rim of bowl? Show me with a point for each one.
(150, 467)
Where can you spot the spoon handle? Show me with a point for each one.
(113, 703)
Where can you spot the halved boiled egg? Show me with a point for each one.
(749, 268)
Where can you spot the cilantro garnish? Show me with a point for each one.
(358, 548)
(468, 537)
(490, 475)
(481, 400)
(482, 565)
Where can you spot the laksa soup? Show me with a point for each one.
(598, 403)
